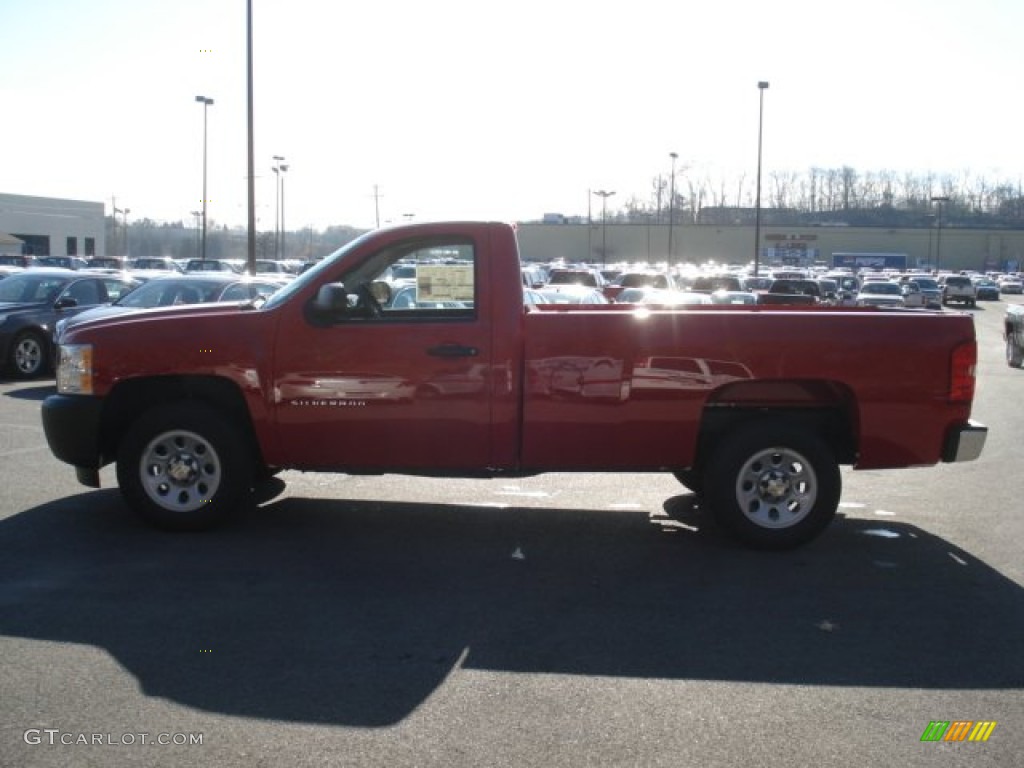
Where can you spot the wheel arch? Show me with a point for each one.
(36, 330)
(129, 399)
(827, 409)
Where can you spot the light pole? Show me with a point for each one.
(930, 218)
(762, 85)
(941, 200)
(196, 215)
(284, 168)
(206, 104)
(671, 205)
(124, 212)
(604, 195)
(277, 169)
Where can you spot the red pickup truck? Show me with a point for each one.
(754, 408)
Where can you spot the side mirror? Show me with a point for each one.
(65, 303)
(331, 301)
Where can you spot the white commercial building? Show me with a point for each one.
(48, 226)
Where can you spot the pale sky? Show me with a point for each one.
(458, 109)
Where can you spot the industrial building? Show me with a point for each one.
(48, 226)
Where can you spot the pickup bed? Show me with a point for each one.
(754, 409)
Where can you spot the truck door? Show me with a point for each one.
(396, 376)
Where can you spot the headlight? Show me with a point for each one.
(74, 369)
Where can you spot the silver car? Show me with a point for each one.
(878, 293)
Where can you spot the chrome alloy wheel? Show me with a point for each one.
(180, 471)
(28, 356)
(776, 488)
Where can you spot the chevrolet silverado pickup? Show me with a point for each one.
(754, 409)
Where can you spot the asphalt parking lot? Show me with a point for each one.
(562, 620)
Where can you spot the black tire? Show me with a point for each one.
(1014, 352)
(690, 479)
(772, 485)
(28, 356)
(209, 455)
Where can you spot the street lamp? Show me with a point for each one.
(206, 104)
(671, 204)
(604, 195)
(940, 199)
(761, 86)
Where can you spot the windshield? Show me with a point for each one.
(313, 273)
(886, 289)
(169, 293)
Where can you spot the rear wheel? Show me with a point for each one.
(184, 467)
(773, 486)
(1014, 352)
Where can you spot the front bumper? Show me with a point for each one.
(72, 427)
(965, 442)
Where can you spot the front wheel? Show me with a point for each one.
(184, 467)
(773, 486)
(28, 355)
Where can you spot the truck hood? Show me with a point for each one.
(110, 315)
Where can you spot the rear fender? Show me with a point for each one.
(824, 408)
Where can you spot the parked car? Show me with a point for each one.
(660, 296)
(752, 284)
(732, 297)
(273, 267)
(62, 262)
(176, 290)
(712, 283)
(566, 276)
(17, 260)
(572, 294)
(986, 290)
(533, 276)
(108, 264)
(931, 291)
(210, 265)
(912, 294)
(156, 264)
(651, 279)
(32, 303)
(1010, 285)
(798, 289)
(960, 289)
(880, 293)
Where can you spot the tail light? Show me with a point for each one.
(963, 363)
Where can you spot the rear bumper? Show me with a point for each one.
(965, 442)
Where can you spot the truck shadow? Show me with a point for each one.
(354, 613)
(37, 392)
